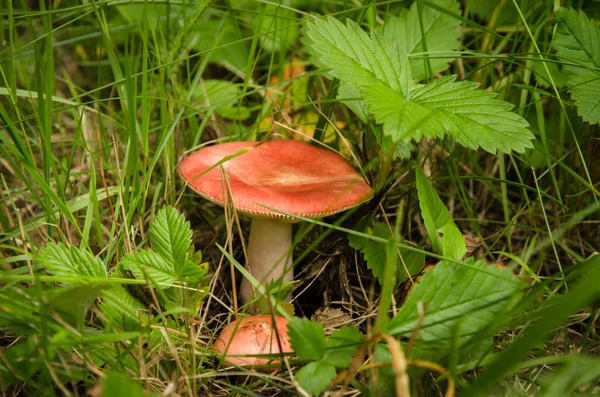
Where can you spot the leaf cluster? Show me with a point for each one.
(410, 111)
(59, 314)
(326, 354)
(577, 42)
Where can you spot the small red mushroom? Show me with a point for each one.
(288, 175)
(244, 341)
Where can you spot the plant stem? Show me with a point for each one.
(269, 254)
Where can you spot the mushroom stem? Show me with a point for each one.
(269, 254)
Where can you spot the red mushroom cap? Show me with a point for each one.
(288, 175)
(252, 336)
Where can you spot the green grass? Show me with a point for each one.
(100, 101)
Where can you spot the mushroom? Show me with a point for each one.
(287, 175)
(244, 341)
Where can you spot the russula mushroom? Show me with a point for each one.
(287, 175)
(244, 341)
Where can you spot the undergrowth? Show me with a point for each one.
(472, 271)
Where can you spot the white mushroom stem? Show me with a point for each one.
(269, 254)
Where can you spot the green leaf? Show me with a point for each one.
(434, 212)
(557, 309)
(384, 383)
(342, 345)
(171, 237)
(72, 303)
(72, 261)
(351, 96)
(308, 338)
(194, 269)
(349, 89)
(473, 294)
(278, 30)
(172, 260)
(222, 33)
(194, 256)
(437, 219)
(222, 97)
(123, 309)
(577, 41)
(472, 117)
(20, 361)
(411, 111)
(442, 35)
(350, 52)
(315, 377)
(559, 75)
(402, 150)
(374, 254)
(192, 273)
(151, 264)
(20, 312)
(373, 251)
(120, 385)
(454, 242)
(410, 264)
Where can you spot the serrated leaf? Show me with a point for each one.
(192, 273)
(222, 97)
(442, 35)
(373, 251)
(377, 70)
(315, 377)
(351, 96)
(375, 256)
(149, 263)
(308, 338)
(473, 295)
(342, 345)
(577, 41)
(412, 111)
(350, 53)
(123, 309)
(72, 261)
(472, 117)
(171, 237)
